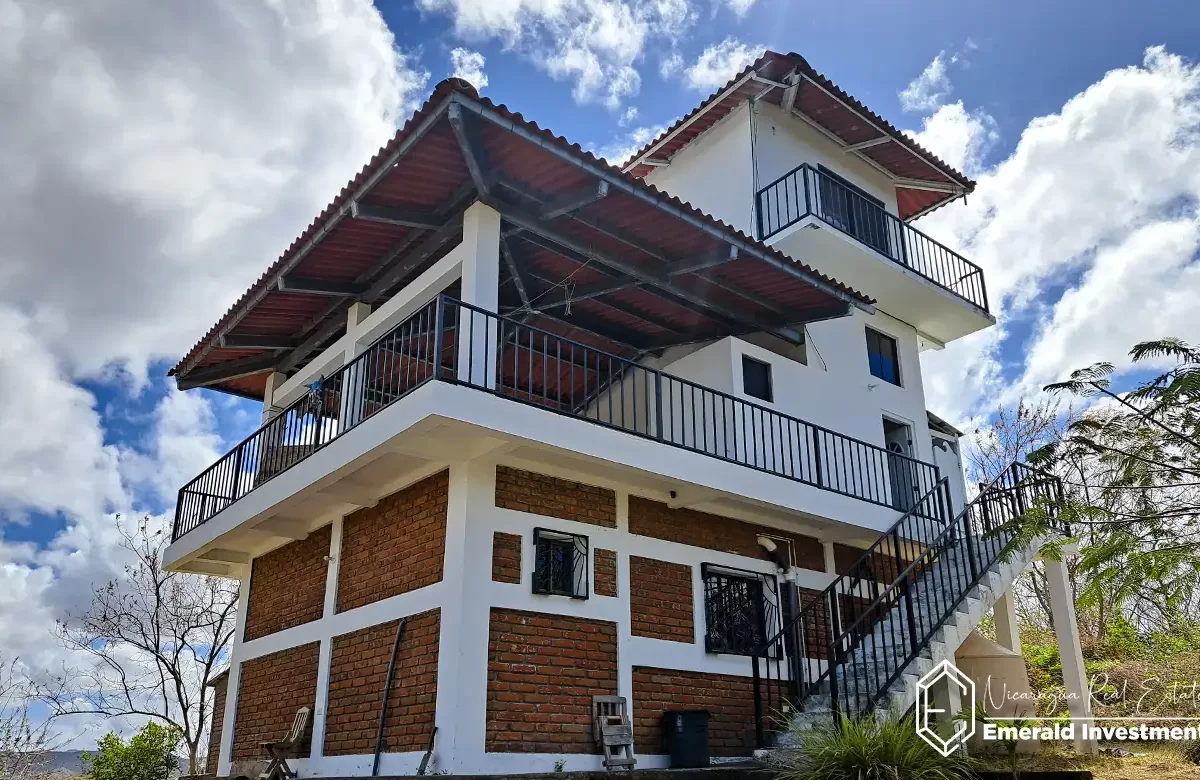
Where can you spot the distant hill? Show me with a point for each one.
(64, 763)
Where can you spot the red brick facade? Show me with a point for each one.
(660, 600)
(506, 557)
(356, 678)
(287, 585)
(542, 673)
(606, 572)
(528, 491)
(272, 688)
(714, 532)
(729, 700)
(219, 685)
(396, 546)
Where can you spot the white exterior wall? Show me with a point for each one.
(466, 595)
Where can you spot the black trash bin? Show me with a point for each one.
(686, 735)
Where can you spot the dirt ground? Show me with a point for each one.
(1159, 762)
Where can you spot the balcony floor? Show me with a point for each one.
(440, 423)
(898, 291)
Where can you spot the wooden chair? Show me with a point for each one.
(612, 731)
(282, 750)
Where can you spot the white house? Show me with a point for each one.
(537, 429)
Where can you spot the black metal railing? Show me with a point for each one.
(807, 191)
(455, 342)
(853, 640)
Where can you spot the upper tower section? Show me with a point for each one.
(782, 153)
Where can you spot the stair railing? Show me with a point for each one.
(858, 636)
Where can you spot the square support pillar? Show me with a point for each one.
(354, 379)
(1008, 634)
(1066, 630)
(274, 380)
(479, 333)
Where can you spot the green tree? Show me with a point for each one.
(149, 755)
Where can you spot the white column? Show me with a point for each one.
(1004, 612)
(1066, 629)
(830, 558)
(325, 654)
(274, 380)
(353, 379)
(480, 288)
(232, 688)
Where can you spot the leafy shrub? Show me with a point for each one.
(868, 749)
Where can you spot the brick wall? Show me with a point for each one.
(357, 672)
(219, 686)
(714, 532)
(506, 557)
(728, 698)
(272, 688)
(542, 673)
(883, 568)
(660, 600)
(606, 572)
(287, 585)
(528, 491)
(396, 546)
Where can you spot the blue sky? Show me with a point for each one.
(151, 176)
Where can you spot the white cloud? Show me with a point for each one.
(596, 44)
(739, 7)
(630, 114)
(670, 64)
(958, 137)
(719, 62)
(928, 90)
(156, 159)
(468, 65)
(1087, 234)
(619, 150)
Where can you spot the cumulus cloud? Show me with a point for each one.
(1087, 232)
(157, 158)
(720, 62)
(468, 65)
(595, 44)
(739, 7)
(928, 90)
(619, 150)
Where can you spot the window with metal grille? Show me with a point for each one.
(560, 564)
(738, 608)
(883, 357)
(756, 378)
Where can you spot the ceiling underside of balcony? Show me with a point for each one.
(586, 252)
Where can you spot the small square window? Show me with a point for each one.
(756, 378)
(560, 564)
(883, 357)
(735, 610)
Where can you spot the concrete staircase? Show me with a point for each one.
(885, 629)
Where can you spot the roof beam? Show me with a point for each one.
(789, 94)
(256, 341)
(867, 144)
(302, 284)
(224, 372)
(472, 150)
(575, 200)
(514, 271)
(392, 215)
(654, 278)
(931, 186)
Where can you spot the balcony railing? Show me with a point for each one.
(454, 342)
(807, 191)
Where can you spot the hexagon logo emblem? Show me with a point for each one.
(928, 709)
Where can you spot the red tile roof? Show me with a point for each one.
(422, 167)
(825, 103)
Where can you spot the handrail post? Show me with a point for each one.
(438, 327)
(658, 408)
(831, 657)
(804, 178)
(816, 448)
(909, 612)
(971, 545)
